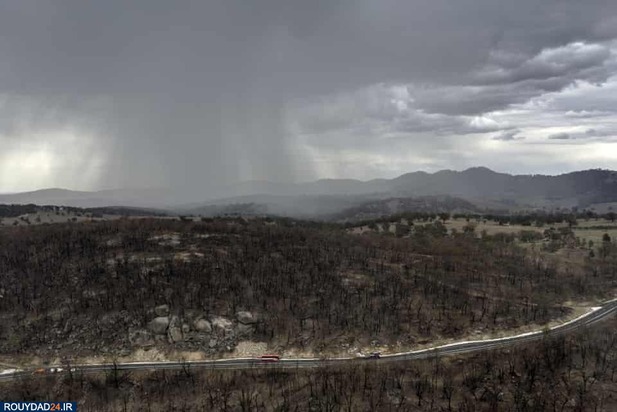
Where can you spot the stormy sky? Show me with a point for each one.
(195, 94)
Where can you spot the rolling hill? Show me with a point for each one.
(479, 186)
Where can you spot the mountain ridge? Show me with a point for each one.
(573, 189)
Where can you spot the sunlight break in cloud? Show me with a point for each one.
(65, 158)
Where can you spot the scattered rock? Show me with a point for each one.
(59, 314)
(140, 337)
(116, 241)
(212, 343)
(162, 310)
(243, 330)
(202, 325)
(246, 318)
(172, 239)
(67, 327)
(159, 325)
(221, 324)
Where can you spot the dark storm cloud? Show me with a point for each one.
(572, 61)
(503, 82)
(381, 108)
(198, 92)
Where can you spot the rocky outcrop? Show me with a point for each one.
(175, 334)
(140, 337)
(246, 318)
(222, 325)
(244, 331)
(193, 331)
(203, 326)
(159, 325)
(162, 310)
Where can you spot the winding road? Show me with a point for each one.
(595, 315)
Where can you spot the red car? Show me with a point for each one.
(270, 358)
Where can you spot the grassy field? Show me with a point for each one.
(51, 217)
(491, 227)
(587, 230)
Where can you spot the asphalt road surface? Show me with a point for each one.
(600, 313)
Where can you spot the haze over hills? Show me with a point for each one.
(480, 186)
(85, 199)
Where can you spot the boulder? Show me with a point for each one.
(162, 310)
(185, 328)
(175, 334)
(202, 325)
(159, 325)
(246, 318)
(221, 324)
(244, 331)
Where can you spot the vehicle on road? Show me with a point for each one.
(270, 358)
(373, 355)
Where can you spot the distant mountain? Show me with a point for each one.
(148, 198)
(301, 206)
(478, 185)
(572, 189)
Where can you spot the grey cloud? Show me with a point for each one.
(560, 136)
(382, 109)
(155, 45)
(195, 93)
(471, 100)
(574, 60)
(515, 79)
(508, 135)
(591, 132)
(587, 134)
(587, 114)
(591, 100)
(604, 134)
